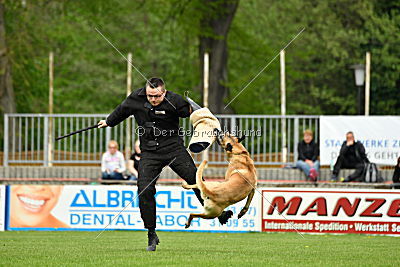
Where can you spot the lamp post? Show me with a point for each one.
(359, 75)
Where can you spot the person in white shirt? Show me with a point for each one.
(112, 163)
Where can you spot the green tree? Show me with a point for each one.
(319, 81)
(6, 85)
(168, 39)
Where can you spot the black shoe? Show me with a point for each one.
(153, 241)
(347, 180)
(334, 178)
(224, 217)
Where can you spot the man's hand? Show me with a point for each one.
(102, 124)
(310, 163)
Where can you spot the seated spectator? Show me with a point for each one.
(396, 175)
(308, 156)
(133, 162)
(352, 156)
(112, 163)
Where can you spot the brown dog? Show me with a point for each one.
(240, 181)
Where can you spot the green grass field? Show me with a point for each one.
(198, 249)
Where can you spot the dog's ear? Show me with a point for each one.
(229, 147)
(241, 138)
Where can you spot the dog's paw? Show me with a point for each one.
(225, 216)
(242, 212)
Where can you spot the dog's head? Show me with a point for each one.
(230, 143)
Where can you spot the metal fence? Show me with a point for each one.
(30, 138)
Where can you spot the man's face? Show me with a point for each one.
(155, 95)
(349, 138)
(307, 138)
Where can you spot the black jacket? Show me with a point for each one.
(158, 126)
(354, 154)
(396, 176)
(135, 160)
(308, 151)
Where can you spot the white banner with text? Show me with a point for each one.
(2, 207)
(380, 136)
(95, 207)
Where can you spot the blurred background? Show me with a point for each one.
(169, 38)
(56, 66)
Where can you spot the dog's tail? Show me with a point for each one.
(199, 179)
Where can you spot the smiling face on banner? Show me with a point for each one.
(31, 206)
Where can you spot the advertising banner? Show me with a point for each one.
(331, 211)
(2, 206)
(95, 207)
(379, 135)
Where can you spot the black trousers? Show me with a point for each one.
(343, 163)
(396, 177)
(150, 167)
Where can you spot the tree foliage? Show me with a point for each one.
(90, 76)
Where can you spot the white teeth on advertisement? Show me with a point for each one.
(34, 202)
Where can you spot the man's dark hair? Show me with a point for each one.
(155, 82)
(350, 132)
